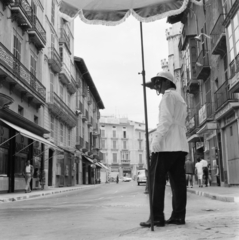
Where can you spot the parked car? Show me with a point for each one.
(141, 178)
(127, 179)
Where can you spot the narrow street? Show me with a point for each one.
(113, 211)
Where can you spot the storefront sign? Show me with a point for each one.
(126, 168)
(202, 114)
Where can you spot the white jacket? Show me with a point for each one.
(170, 135)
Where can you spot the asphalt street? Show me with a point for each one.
(113, 211)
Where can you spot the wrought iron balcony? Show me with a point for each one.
(21, 13)
(61, 110)
(222, 96)
(64, 75)
(17, 74)
(202, 66)
(37, 34)
(205, 113)
(64, 39)
(187, 33)
(192, 124)
(218, 37)
(54, 60)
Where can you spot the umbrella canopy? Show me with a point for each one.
(113, 12)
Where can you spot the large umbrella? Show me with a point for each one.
(113, 12)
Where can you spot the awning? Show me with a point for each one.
(30, 135)
(103, 166)
(97, 164)
(70, 150)
(90, 160)
(195, 138)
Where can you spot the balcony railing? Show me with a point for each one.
(37, 33)
(16, 68)
(64, 38)
(218, 37)
(202, 65)
(192, 86)
(21, 13)
(61, 110)
(54, 60)
(222, 95)
(193, 123)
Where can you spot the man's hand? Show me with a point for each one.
(155, 146)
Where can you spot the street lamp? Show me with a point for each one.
(5, 101)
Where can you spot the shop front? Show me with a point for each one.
(228, 141)
(88, 170)
(17, 145)
(126, 170)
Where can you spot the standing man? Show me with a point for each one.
(29, 170)
(205, 171)
(169, 149)
(189, 170)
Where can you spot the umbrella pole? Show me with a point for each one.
(146, 130)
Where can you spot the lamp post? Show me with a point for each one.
(5, 101)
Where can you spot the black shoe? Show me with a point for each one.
(177, 221)
(156, 223)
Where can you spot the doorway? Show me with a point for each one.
(50, 165)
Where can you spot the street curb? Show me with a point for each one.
(214, 196)
(43, 194)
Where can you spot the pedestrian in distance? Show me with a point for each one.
(205, 171)
(117, 179)
(209, 174)
(189, 170)
(216, 170)
(28, 174)
(169, 148)
(199, 171)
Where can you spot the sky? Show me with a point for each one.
(112, 55)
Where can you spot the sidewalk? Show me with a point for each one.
(20, 196)
(225, 194)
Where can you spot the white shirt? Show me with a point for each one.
(170, 135)
(199, 166)
(204, 163)
(28, 169)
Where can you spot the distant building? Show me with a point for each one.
(122, 145)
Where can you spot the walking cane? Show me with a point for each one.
(146, 129)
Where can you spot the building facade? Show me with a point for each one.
(39, 76)
(123, 146)
(208, 47)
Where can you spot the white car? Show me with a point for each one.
(127, 179)
(141, 178)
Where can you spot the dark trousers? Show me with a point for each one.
(205, 175)
(173, 164)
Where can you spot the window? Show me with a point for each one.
(69, 100)
(103, 144)
(61, 92)
(69, 136)
(53, 12)
(114, 144)
(114, 157)
(114, 133)
(36, 119)
(52, 126)
(124, 145)
(233, 36)
(126, 156)
(20, 110)
(124, 134)
(140, 159)
(17, 54)
(102, 133)
(61, 132)
(139, 135)
(51, 87)
(33, 66)
(140, 145)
